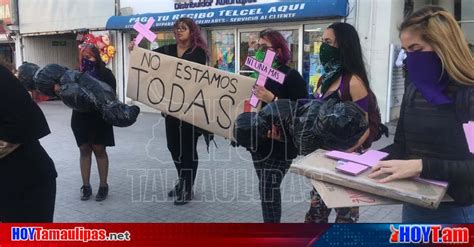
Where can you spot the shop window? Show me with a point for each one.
(312, 68)
(249, 40)
(222, 49)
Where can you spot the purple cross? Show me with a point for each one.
(265, 71)
(144, 31)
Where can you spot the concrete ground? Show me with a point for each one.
(141, 173)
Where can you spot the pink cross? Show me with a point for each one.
(469, 132)
(144, 31)
(265, 71)
(355, 163)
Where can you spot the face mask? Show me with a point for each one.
(328, 54)
(425, 71)
(329, 57)
(89, 66)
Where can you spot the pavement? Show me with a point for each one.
(141, 173)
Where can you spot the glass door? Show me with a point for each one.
(249, 39)
(312, 69)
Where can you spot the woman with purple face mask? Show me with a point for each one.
(92, 133)
(429, 140)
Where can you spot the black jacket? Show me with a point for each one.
(435, 134)
(22, 122)
(294, 87)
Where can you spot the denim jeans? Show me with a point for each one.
(447, 213)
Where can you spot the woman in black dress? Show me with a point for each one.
(27, 173)
(182, 137)
(92, 133)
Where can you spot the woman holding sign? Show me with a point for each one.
(429, 140)
(182, 137)
(273, 158)
(27, 173)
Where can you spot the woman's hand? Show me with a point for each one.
(397, 169)
(274, 133)
(263, 94)
(7, 148)
(131, 45)
(359, 142)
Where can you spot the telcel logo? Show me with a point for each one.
(405, 234)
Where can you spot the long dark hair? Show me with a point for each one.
(279, 44)
(350, 49)
(195, 33)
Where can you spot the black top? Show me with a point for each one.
(90, 127)
(22, 122)
(294, 87)
(198, 55)
(435, 135)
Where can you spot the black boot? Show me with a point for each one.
(102, 193)
(86, 192)
(183, 198)
(178, 188)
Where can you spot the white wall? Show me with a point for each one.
(63, 15)
(377, 23)
(40, 50)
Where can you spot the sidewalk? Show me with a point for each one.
(141, 173)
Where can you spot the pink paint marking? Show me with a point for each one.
(144, 31)
(351, 168)
(469, 133)
(369, 158)
(269, 72)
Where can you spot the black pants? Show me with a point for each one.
(33, 202)
(270, 174)
(182, 141)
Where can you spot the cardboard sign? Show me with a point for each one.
(206, 97)
(335, 196)
(319, 167)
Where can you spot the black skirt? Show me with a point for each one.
(90, 128)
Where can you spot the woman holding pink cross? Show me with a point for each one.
(273, 158)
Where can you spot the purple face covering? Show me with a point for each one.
(424, 71)
(90, 67)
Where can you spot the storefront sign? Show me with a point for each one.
(210, 3)
(256, 13)
(5, 12)
(204, 96)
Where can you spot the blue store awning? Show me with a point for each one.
(234, 15)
